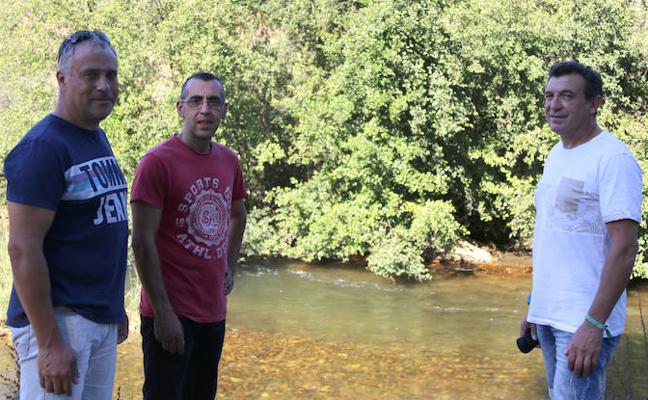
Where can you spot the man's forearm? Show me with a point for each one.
(147, 262)
(31, 279)
(235, 237)
(614, 277)
(28, 226)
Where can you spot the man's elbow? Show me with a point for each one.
(140, 245)
(239, 216)
(632, 249)
(17, 253)
(24, 259)
(629, 254)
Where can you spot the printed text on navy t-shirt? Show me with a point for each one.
(99, 177)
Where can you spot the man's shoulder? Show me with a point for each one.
(223, 151)
(601, 147)
(610, 143)
(163, 149)
(46, 130)
(160, 158)
(609, 150)
(42, 138)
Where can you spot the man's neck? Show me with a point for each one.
(198, 145)
(574, 140)
(61, 113)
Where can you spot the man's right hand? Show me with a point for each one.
(168, 331)
(57, 369)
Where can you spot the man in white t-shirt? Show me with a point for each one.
(588, 207)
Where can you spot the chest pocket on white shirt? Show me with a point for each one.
(568, 195)
(574, 209)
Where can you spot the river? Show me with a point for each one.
(297, 331)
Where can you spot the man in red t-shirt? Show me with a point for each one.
(188, 223)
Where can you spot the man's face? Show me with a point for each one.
(566, 109)
(89, 90)
(202, 108)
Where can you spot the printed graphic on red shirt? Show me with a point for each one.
(204, 217)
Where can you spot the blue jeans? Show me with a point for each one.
(563, 384)
(192, 375)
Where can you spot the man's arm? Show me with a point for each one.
(56, 362)
(584, 348)
(123, 329)
(167, 327)
(238, 218)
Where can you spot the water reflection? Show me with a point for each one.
(455, 334)
(346, 304)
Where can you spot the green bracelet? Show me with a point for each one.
(597, 324)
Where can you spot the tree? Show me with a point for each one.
(382, 129)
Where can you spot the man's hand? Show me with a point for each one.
(525, 326)
(168, 331)
(238, 218)
(584, 349)
(57, 369)
(229, 281)
(122, 330)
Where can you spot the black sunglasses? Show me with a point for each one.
(78, 37)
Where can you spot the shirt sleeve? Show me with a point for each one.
(35, 174)
(620, 188)
(150, 182)
(239, 190)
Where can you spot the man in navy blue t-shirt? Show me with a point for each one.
(68, 231)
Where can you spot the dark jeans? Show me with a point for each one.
(192, 375)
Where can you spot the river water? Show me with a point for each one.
(297, 331)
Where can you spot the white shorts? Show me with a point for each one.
(95, 348)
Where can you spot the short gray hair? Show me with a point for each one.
(66, 50)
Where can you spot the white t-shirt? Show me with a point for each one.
(581, 190)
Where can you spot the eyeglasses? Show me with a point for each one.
(196, 102)
(78, 37)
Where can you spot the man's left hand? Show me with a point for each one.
(229, 281)
(584, 349)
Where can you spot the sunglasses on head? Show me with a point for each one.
(78, 37)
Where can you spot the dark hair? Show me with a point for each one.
(203, 76)
(69, 44)
(593, 81)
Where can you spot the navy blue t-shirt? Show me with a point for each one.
(73, 172)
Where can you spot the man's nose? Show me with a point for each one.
(555, 103)
(204, 106)
(103, 83)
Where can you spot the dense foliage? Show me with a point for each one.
(385, 129)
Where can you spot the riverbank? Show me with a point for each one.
(508, 267)
(474, 259)
(466, 258)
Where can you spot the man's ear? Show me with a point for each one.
(60, 78)
(179, 109)
(596, 103)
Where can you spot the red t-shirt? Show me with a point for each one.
(195, 192)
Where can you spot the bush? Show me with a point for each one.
(359, 124)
